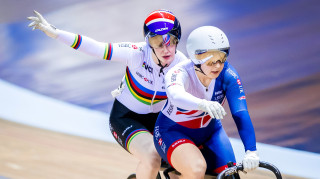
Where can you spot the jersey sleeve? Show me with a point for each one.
(122, 52)
(238, 106)
(234, 90)
(176, 80)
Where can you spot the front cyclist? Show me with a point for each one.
(188, 133)
(141, 94)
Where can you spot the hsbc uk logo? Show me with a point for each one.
(231, 72)
(238, 81)
(156, 133)
(160, 141)
(117, 137)
(158, 138)
(144, 78)
(129, 45)
(240, 85)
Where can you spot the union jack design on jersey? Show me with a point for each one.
(199, 118)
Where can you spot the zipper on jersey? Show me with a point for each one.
(154, 95)
(155, 92)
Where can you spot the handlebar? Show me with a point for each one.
(232, 170)
(235, 169)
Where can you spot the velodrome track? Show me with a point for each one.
(32, 153)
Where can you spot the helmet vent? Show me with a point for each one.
(211, 38)
(222, 38)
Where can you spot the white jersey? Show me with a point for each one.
(185, 91)
(144, 85)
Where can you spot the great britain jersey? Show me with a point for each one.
(185, 92)
(143, 83)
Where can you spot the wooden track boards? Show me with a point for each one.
(32, 153)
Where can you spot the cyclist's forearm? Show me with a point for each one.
(83, 44)
(245, 129)
(181, 98)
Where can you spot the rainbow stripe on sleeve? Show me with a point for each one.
(77, 42)
(141, 93)
(108, 52)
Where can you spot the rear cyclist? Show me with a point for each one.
(141, 94)
(188, 133)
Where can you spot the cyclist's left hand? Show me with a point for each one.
(250, 161)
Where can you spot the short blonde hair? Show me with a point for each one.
(157, 40)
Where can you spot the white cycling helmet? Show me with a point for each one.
(204, 39)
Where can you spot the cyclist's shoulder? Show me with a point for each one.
(182, 66)
(229, 72)
(134, 52)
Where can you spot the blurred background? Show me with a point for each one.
(275, 47)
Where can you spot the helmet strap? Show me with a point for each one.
(199, 69)
(161, 66)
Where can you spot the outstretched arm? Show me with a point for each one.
(78, 42)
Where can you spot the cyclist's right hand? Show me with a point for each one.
(213, 108)
(39, 22)
(250, 160)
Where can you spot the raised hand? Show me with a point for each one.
(38, 22)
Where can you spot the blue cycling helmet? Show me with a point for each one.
(161, 22)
